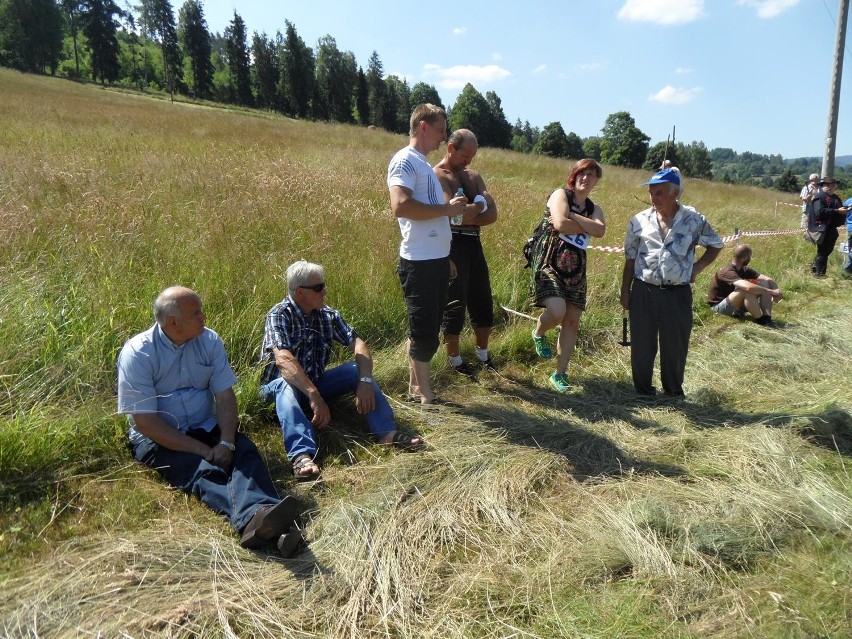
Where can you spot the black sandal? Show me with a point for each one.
(406, 442)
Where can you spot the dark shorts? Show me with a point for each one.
(471, 290)
(424, 285)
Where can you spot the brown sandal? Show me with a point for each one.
(304, 468)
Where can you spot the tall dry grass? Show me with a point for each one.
(532, 515)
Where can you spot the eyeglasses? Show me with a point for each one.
(316, 288)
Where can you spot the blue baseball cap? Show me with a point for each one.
(666, 176)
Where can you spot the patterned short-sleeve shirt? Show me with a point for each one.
(308, 337)
(667, 261)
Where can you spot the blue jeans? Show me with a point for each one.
(290, 405)
(237, 494)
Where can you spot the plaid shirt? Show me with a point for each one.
(308, 337)
(667, 261)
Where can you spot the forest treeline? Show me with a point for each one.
(145, 47)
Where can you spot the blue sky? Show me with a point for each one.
(752, 75)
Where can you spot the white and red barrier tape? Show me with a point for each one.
(726, 239)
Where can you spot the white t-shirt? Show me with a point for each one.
(421, 239)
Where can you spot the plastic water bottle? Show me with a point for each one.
(458, 219)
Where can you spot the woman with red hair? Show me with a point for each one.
(559, 265)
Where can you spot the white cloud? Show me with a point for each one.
(670, 95)
(662, 11)
(459, 31)
(589, 67)
(540, 69)
(683, 71)
(456, 77)
(497, 57)
(769, 8)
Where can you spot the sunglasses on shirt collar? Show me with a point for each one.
(316, 288)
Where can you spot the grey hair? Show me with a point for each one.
(168, 302)
(301, 272)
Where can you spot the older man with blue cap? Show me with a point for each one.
(659, 268)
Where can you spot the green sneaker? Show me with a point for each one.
(542, 346)
(559, 382)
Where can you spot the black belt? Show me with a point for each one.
(466, 232)
(660, 286)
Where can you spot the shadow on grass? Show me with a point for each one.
(596, 401)
(603, 400)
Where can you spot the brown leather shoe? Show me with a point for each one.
(270, 522)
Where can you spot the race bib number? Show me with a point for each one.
(580, 240)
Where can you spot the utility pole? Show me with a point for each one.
(834, 96)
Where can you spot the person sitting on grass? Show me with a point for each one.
(296, 349)
(737, 288)
(175, 386)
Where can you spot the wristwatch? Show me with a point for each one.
(367, 379)
(227, 445)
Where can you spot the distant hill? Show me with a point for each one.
(840, 160)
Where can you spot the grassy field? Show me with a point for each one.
(533, 514)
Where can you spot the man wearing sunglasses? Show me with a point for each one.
(297, 344)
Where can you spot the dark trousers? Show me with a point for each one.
(471, 290)
(424, 285)
(235, 494)
(659, 315)
(829, 239)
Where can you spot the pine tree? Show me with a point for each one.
(158, 21)
(297, 74)
(362, 98)
(265, 71)
(336, 75)
(71, 9)
(99, 26)
(238, 61)
(31, 33)
(195, 40)
(398, 88)
(499, 132)
(376, 90)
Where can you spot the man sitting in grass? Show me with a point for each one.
(175, 386)
(296, 349)
(737, 288)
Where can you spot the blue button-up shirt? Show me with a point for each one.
(175, 382)
(308, 337)
(667, 260)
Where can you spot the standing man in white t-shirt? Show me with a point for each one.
(423, 213)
